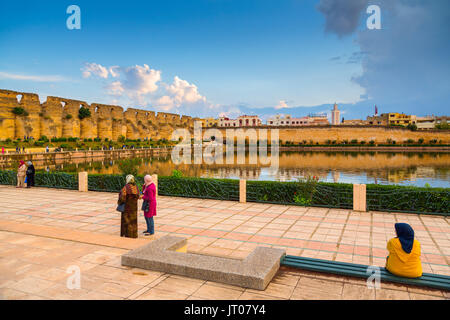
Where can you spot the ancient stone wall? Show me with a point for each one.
(8, 101)
(324, 134)
(58, 117)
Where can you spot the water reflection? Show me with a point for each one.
(406, 168)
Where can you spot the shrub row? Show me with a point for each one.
(336, 195)
(223, 189)
(59, 180)
(408, 199)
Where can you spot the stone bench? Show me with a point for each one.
(168, 254)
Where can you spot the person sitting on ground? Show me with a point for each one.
(21, 173)
(129, 195)
(404, 253)
(30, 174)
(149, 196)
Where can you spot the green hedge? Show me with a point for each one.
(8, 177)
(222, 189)
(408, 199)
(60, 180)
(110, 182)
(336, 195)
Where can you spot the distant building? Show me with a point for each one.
(318, 119)
(427, 122)
(241, 121)
(430, 122)
(335, 115)
(210, 122)
(392, 118)
(287, 120)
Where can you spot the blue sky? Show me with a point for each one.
(211, 57)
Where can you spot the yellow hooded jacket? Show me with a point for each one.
(401, 263)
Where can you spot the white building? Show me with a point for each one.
(287, 120)
(241, 121)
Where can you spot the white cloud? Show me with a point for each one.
(281, 105)
(114, 71)
(115, 88)
(184, 92)
(95, 69)
(11, 76)
(140, 80)
(142, 87)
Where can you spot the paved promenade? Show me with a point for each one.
(43, 231)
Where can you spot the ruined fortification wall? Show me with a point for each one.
(58, 117)
(323, 134)
(8, 101)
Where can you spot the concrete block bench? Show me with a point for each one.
(168, 254)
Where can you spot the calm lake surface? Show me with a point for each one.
(403, 168)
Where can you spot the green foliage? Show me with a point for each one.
(19, 111)
(68, 116)
(105, 182)
(443, 126)
(224, 189)
(60, 180)
(58, 140)
(84, 113)
(306, 190)
(408, 199)
(322, 194)
(129, 166)
(8, 177)
(412, 126)
(177, 174)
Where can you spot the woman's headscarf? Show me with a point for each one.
(130, 179)
(406, 236)
(29, 163)
(21, 163)
(148, 179)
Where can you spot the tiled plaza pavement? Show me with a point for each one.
(33, 267)
(226, 228)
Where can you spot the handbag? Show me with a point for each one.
(145, 206)
(26, 178)
(121, 207)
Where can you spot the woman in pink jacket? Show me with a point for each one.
(149, 195)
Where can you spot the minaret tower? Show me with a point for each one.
(335, 115)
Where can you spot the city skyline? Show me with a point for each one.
(211, 58)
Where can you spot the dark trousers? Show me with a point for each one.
(30, 180)
(150, 225)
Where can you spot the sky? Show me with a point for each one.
(232, 57)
